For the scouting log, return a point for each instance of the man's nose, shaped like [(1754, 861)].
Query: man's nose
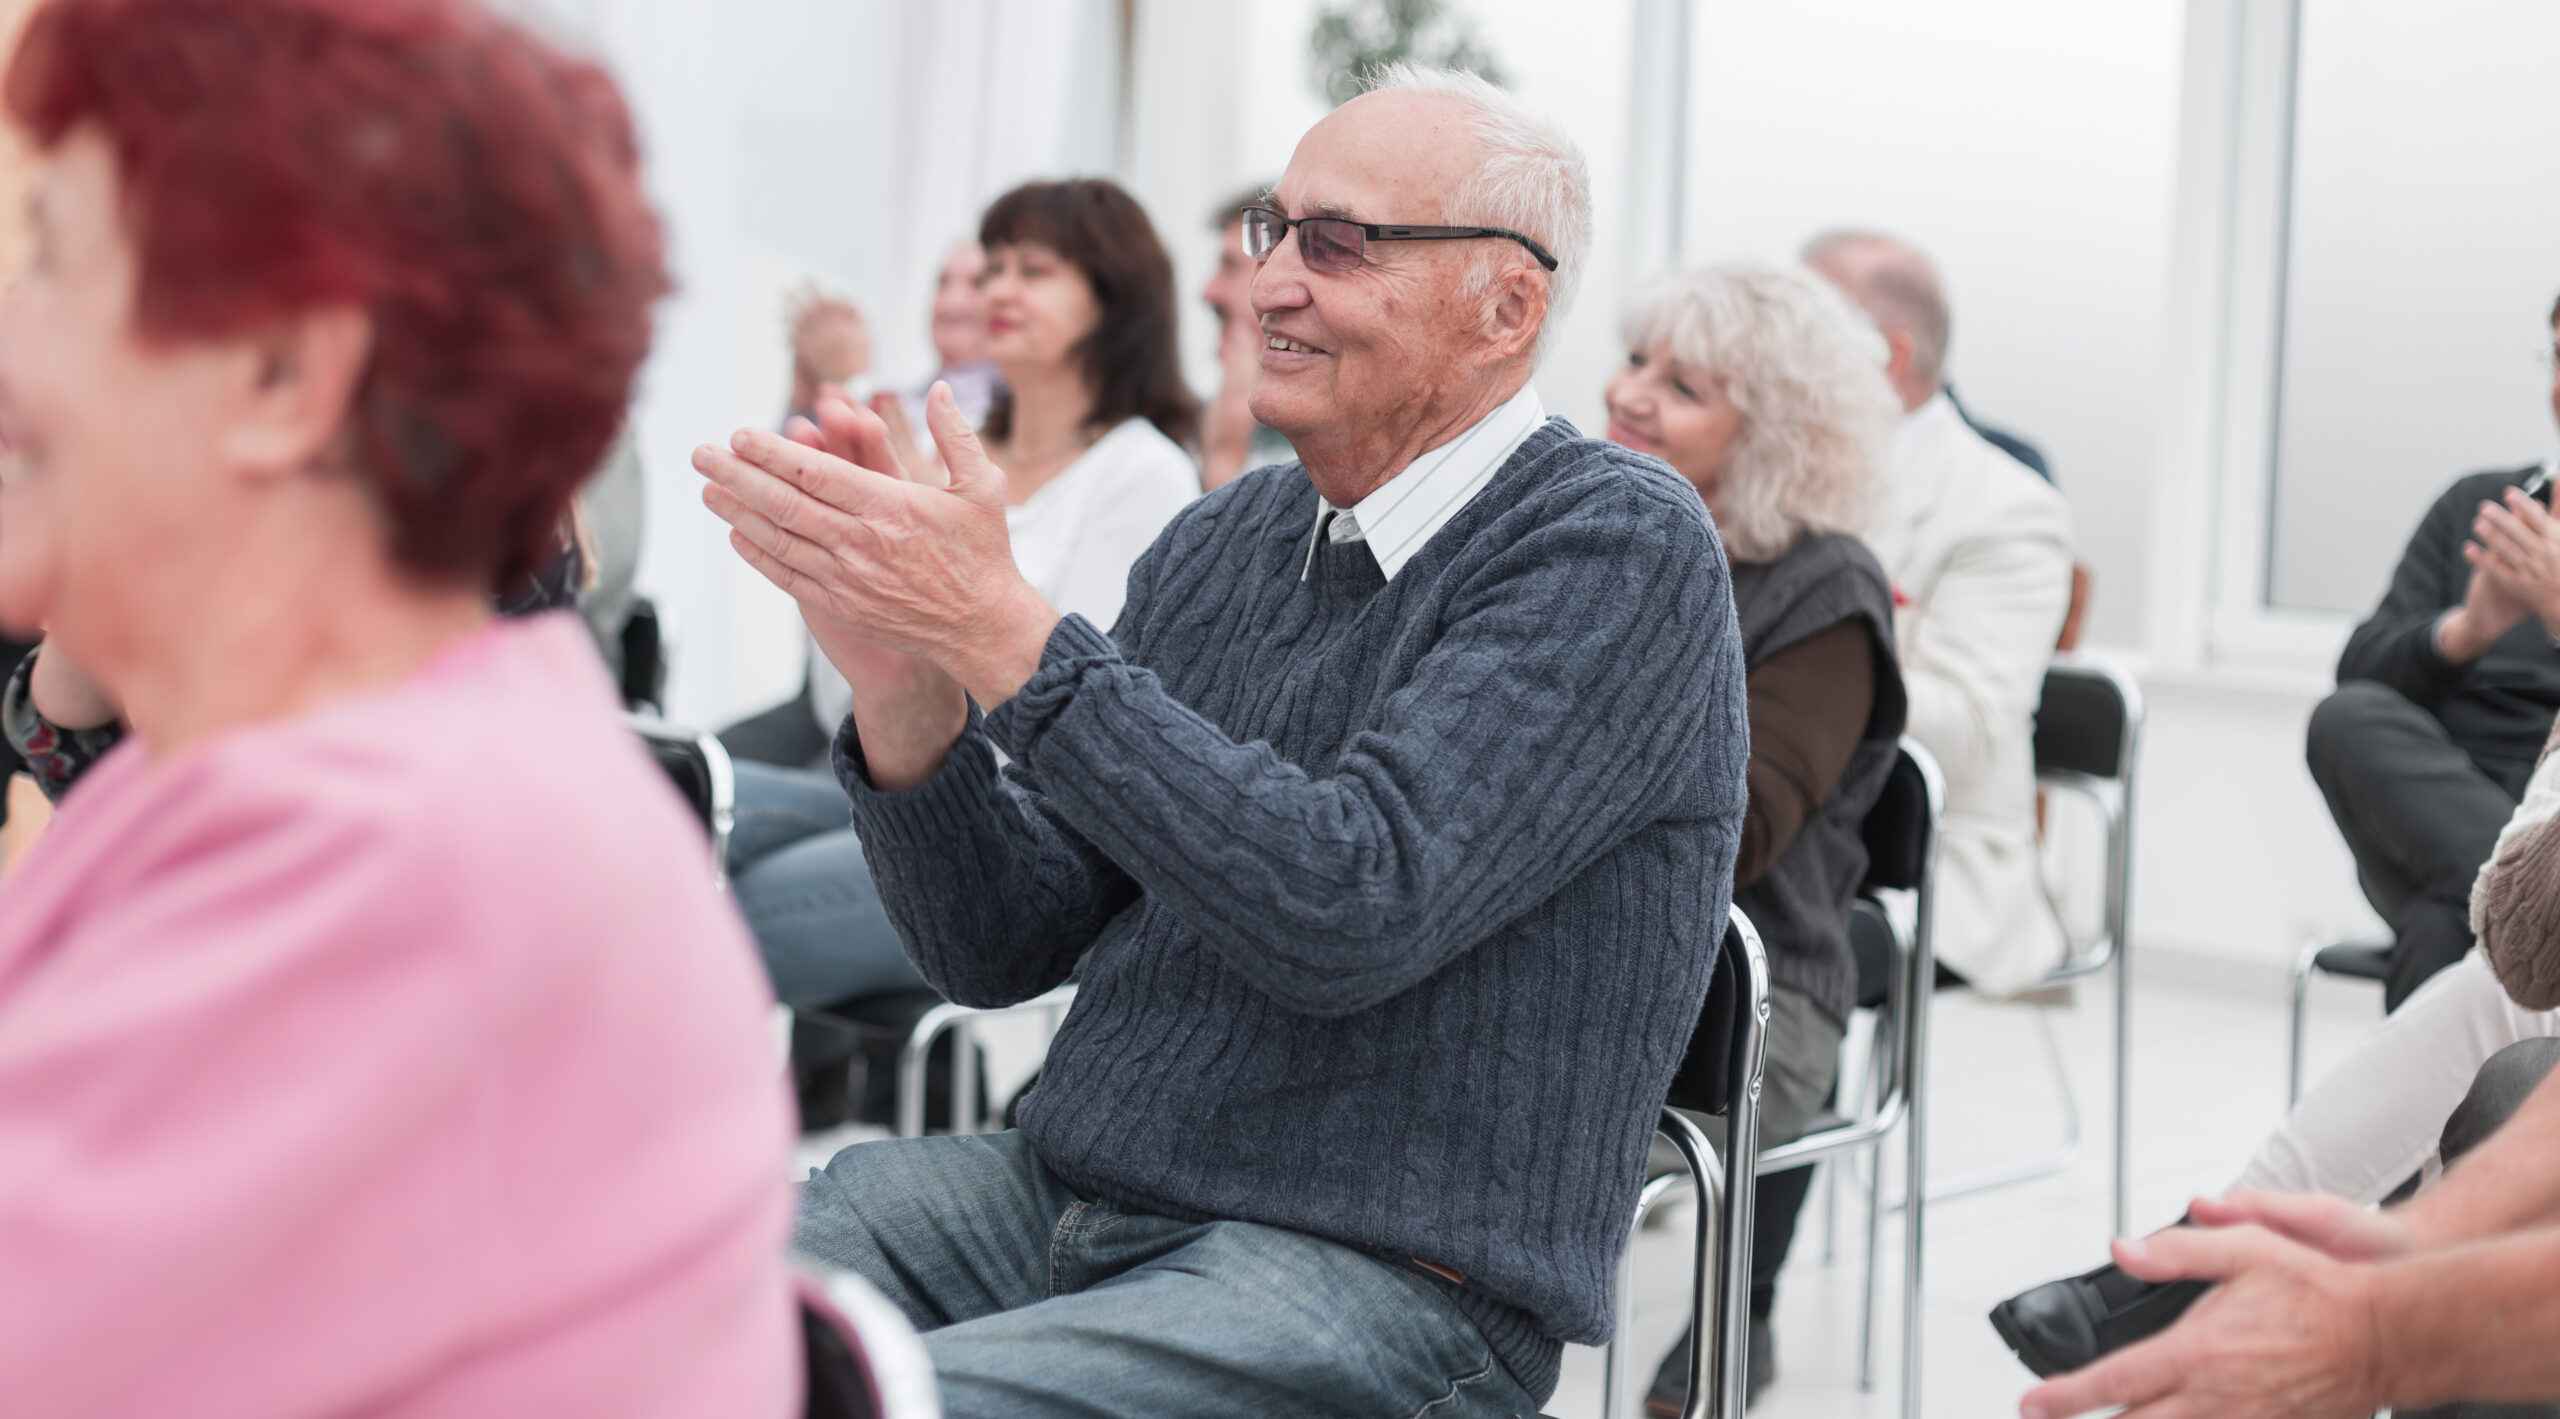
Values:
[(1280, 282)]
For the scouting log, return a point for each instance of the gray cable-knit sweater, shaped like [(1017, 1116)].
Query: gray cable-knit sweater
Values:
[(1397, 901)]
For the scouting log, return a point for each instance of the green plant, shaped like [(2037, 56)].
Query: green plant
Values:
[(1355, 38)]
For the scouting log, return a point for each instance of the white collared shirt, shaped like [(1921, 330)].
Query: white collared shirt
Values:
[(1400, 516), (1916, 425)]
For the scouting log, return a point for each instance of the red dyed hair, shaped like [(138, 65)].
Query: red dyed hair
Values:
[(471, 188)]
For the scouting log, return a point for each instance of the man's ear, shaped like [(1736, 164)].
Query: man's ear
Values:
[(299, 377), (1517, 315), (1900, 348)]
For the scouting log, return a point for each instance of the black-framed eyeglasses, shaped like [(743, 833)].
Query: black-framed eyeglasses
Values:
[(1338, 244)]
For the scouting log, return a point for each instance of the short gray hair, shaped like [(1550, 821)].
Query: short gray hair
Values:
[(1900, 291), (1806, 371), (1532, 181)]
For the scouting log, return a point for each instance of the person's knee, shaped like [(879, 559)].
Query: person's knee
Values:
[(2496, 1093), (2342, 726)]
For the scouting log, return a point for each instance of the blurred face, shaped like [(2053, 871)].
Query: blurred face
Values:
[(1350, 354), (959, 314), (116, 476), (1676, 413), (1038, 306), (1230, 288), (2555, 370)]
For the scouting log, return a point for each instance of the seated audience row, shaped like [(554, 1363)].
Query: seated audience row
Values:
[(1312, 779)]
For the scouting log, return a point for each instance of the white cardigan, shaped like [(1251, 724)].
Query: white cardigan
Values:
[(1979, 549), (1074, 539)]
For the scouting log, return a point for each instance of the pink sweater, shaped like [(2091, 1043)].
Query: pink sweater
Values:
[(396, 1059)]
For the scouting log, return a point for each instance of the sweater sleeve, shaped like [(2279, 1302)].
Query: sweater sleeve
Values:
[(2396, 645), (1810, 704), (2515, 903), (1585, 681)]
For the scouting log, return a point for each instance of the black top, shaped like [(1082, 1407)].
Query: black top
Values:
[(2497, 707), (1801, 904), (11, 652)]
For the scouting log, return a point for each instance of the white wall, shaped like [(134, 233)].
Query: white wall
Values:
[(2425, 250), (2030, 147)]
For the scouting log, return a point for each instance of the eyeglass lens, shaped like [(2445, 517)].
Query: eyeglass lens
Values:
[(1323, 243)]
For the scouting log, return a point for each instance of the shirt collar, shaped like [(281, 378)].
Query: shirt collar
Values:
[(1400, 516), (1916, 425)]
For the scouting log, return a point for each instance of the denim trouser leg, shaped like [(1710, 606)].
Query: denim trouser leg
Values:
[(1038, 1303), (806, 893)]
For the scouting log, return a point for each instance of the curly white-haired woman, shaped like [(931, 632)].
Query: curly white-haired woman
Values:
[(1767, 391)]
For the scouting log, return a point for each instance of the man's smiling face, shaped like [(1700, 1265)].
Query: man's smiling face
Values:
[(1344, 352)]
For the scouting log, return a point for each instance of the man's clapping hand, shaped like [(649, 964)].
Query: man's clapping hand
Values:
[(910, 589)]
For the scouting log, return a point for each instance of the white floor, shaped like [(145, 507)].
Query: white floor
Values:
[(2208, 1080)]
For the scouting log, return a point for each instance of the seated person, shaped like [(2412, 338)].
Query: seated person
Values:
[(2443, 696), (1766, 390), (2369, 1126), (333, 1081), (2321, 1308), (1231, 440), (1979, 550), (1090, 432), (1392, 825)]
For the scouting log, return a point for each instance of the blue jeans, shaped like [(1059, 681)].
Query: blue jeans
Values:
[(1037, 1302), (806, 893)]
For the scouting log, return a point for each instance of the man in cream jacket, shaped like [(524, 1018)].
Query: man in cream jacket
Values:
[(1979, 550)]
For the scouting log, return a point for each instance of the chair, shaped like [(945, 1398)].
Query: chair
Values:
[(700, 770), (861, 1358), (2355, 958), (1901, 833), (2088, 741), (1720, 1074)]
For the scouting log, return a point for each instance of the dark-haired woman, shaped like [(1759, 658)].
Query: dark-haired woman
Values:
[(1080, 321)]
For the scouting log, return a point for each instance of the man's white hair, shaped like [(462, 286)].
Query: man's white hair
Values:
[(1532, 180), (1807, 373)]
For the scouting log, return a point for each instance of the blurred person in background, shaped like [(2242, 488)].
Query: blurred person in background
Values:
[(1765, 390), (1979, 549), (1093, 418), (1231, 439), (373, 1037), (1391, 823), (2445, 694)]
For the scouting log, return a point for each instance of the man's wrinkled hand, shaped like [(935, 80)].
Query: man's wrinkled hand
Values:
[(923, 571), (2288, 1333)]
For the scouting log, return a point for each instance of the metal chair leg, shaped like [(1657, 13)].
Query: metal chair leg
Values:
[(1705, 1177), (2302, 966), (2124, 1089)]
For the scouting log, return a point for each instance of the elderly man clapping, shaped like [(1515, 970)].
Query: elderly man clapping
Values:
[(1393, 824)]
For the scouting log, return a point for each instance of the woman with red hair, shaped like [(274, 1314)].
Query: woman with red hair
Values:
[(372, 1037)]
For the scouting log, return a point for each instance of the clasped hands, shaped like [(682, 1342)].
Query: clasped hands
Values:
[(2514, 554), (910, 589), (2290, 1328)]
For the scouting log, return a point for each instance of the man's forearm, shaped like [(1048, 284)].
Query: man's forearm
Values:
[(2474, 1322)]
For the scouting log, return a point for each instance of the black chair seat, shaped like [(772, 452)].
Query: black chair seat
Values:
[(2360, 960)]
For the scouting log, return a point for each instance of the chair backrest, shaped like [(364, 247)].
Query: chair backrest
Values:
[(1719, 1046), (1898, 828), (699, 768), (2087, 720)]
